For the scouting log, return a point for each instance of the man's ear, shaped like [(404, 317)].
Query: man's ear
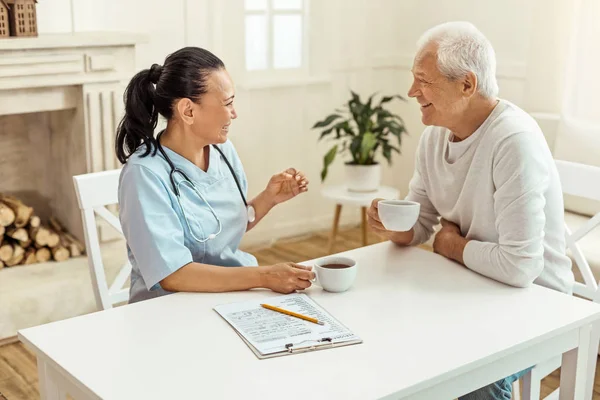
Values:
[(185, 110), (469, 84)]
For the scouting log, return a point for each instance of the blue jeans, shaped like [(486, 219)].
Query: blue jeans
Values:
[(501, 390)]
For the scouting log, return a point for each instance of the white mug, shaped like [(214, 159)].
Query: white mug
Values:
[(398, 215), (335, 279)]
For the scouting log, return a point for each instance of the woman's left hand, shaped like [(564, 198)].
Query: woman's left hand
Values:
[(286, 185)]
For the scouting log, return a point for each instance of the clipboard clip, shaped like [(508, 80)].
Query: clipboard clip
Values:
[(291, 347)]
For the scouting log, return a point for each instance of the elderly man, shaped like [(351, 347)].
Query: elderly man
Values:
[(484, 167)]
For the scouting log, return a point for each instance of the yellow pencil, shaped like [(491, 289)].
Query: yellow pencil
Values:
[(293, 314)]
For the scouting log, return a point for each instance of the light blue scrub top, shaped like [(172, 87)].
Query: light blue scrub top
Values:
[(159, 241)]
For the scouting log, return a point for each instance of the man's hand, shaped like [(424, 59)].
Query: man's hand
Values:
[(373, 219), (449, 242), (401, 238)]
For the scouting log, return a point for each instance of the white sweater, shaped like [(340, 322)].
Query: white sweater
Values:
[(502, 189)]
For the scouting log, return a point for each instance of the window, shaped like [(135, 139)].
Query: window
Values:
[(275, 34)]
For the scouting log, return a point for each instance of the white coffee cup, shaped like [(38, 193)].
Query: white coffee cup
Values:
[(398, 215), (335, 279)]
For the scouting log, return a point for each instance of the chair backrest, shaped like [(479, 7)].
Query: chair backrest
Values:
[(95, 191), (583, 181)]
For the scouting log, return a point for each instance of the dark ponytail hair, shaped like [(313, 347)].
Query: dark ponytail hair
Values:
[(154, 91)]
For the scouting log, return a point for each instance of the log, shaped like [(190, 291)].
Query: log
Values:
[(22, 212), (2, 231), (74, 249), (6, 252), (53, 239), (17, 257), (1, 264), (40, 236), (1, 239), (19, 234), (60, 253), (69, 241), (33, 234), (7, 215), (35, 221), (54, 224), (30, 257), (43, 254), (26, 244), (75, 243), (67, 244)]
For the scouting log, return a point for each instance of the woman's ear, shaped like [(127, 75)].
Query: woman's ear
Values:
[(185, 110)]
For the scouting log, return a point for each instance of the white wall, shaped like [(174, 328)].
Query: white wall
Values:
[(365, 45)]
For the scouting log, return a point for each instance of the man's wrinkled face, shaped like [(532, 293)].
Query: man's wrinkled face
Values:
[(442, 100)]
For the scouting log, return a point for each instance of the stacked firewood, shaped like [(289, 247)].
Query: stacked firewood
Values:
[(24, 239)]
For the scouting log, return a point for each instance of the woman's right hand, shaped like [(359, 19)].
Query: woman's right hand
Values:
[(286, 277)]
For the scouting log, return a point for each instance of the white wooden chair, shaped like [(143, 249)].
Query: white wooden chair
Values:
[(583, 181), (94, 192)]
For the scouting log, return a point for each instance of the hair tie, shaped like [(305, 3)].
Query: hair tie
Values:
[(155, 72)]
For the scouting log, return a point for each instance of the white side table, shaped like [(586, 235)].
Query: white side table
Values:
[(341, 195)]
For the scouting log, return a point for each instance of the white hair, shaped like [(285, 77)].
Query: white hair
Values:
[(462, 48)]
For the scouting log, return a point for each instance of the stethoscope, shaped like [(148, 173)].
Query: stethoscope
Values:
[(250, 212)]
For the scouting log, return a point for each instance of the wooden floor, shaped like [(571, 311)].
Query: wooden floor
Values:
[(18, 370)]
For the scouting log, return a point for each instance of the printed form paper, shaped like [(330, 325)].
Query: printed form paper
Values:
[(269, 331)]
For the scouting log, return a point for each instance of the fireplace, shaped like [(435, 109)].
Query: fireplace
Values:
[(60, 103)]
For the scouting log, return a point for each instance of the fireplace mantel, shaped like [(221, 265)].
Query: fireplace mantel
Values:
[(84, 73), (70, 40), (38, 66)]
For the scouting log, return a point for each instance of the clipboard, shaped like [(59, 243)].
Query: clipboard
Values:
[(270, 334), (293, 349)]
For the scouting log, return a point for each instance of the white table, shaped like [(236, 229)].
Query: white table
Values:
[(431, 328), (341, 195)]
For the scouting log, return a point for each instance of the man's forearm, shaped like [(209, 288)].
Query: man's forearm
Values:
[(457, 248), (450, 243)]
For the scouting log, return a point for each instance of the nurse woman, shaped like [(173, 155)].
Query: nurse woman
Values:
[(182, 194)]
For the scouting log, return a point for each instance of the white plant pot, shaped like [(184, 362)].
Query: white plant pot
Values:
[(363, 178)]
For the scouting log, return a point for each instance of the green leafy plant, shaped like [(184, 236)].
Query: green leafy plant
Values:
[(361, 129)]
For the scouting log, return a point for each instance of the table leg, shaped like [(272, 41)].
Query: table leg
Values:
[(592, 358), (516, 393), (574, 370), (531, 386), (334, 228), (363, 217), (49, 387)]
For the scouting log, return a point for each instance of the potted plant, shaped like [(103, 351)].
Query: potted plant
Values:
[(362, 130)]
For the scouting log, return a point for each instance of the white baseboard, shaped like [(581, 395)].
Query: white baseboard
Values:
[(9, 340)]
